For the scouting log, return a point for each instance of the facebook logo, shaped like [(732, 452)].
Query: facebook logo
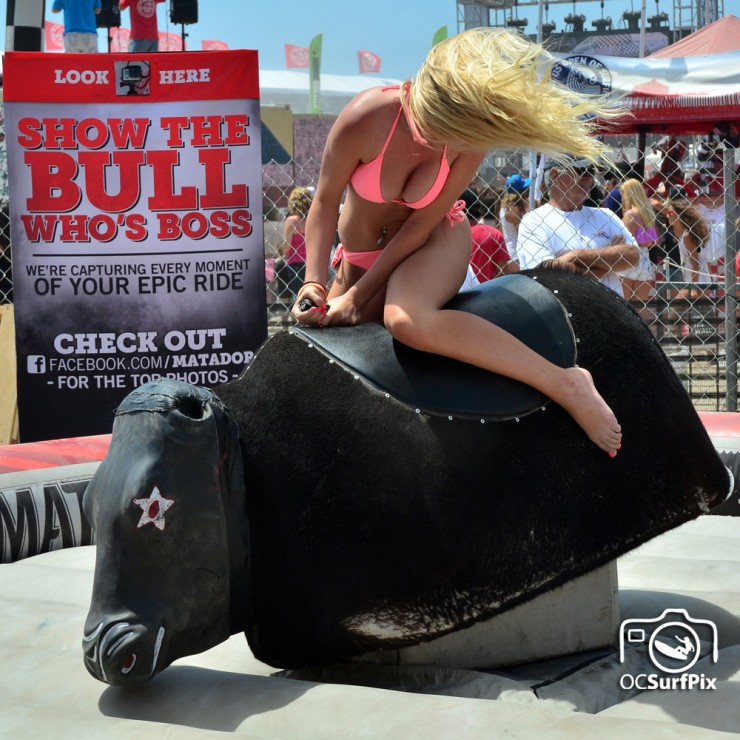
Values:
[(36, 364)]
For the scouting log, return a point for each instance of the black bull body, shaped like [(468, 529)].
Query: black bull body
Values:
[(326, 517)]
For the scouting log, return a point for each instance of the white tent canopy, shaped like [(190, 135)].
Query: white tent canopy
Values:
[(288, 87)]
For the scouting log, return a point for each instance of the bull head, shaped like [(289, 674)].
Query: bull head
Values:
[(167, 508)]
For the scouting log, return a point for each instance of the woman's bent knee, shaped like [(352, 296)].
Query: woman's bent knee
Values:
[(406, 329)]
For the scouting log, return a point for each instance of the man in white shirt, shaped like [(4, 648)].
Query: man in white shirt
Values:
[(592, 240)]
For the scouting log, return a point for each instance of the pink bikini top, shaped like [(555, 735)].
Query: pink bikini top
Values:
[(366, 177)]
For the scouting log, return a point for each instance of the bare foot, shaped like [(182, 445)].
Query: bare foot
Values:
[(590, 411)]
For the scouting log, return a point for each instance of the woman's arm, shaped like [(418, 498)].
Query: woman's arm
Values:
[(629, 219), (345, 144), (693, 247), (290, 227)]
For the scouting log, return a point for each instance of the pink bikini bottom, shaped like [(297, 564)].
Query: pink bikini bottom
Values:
[(365, 260)]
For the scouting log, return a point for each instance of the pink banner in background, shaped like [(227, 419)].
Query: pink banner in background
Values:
[(295, 56), (120, 38), (213, 45), (170, 41), (368, 62), (54, 33)]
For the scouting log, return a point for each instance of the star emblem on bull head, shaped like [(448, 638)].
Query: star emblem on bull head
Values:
[(153, 509)]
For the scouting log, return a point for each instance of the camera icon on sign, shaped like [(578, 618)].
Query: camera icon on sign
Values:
[(36, 364), (132, 77), (674, 644)]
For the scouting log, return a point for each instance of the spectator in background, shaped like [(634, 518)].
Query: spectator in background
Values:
[(639, 218), (692, 233), (709, 204), (514, 205), (489, 257), (666, 251), (727, 134), (612, 181), (593, 241), (80, 27), (707, 161), (673, 150), (291, 273), (144, 28)]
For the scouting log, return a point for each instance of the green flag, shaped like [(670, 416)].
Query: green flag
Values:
[(314, 72), (439, 35)]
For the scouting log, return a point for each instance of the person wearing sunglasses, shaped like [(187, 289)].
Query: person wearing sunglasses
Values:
[(564, 231)]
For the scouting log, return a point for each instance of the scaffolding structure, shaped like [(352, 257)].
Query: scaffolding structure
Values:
[(688, 15)]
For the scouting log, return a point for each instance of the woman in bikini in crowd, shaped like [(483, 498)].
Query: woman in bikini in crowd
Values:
[(404, 155)]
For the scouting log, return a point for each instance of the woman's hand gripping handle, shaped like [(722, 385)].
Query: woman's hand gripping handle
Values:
[(311, 307)]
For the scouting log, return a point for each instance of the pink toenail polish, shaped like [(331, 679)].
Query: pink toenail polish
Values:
[(612, 454)]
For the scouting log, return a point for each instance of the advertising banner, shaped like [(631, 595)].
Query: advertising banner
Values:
[(685, 95), (135, 205)]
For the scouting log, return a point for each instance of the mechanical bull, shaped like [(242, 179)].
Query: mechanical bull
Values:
[(348, 494)]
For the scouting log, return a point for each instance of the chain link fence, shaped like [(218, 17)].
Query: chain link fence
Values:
[(688, 297)]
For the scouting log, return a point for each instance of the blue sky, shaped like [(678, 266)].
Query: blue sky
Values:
[(399, 31)]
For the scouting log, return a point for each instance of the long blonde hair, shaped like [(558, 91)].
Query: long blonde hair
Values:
[(634, 196), (489, 87)]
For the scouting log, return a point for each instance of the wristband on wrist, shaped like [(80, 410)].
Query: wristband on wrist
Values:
[(314, 283)]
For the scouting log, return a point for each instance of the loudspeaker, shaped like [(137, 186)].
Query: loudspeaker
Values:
[(183, 11), (109, 16)]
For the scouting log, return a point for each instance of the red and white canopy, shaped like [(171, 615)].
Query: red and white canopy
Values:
[(681, 94)]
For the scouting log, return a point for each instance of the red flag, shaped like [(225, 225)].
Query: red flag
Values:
[(119, 39), (368, 61), (170, 41), (54, 33), (213, 45), (295, 56)]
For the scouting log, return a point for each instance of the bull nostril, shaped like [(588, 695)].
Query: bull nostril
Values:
[(129, 663), (190, 407)]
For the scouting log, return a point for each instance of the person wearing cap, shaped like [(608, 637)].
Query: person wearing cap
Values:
[(514, 205), (489, 257), (593, 241)]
